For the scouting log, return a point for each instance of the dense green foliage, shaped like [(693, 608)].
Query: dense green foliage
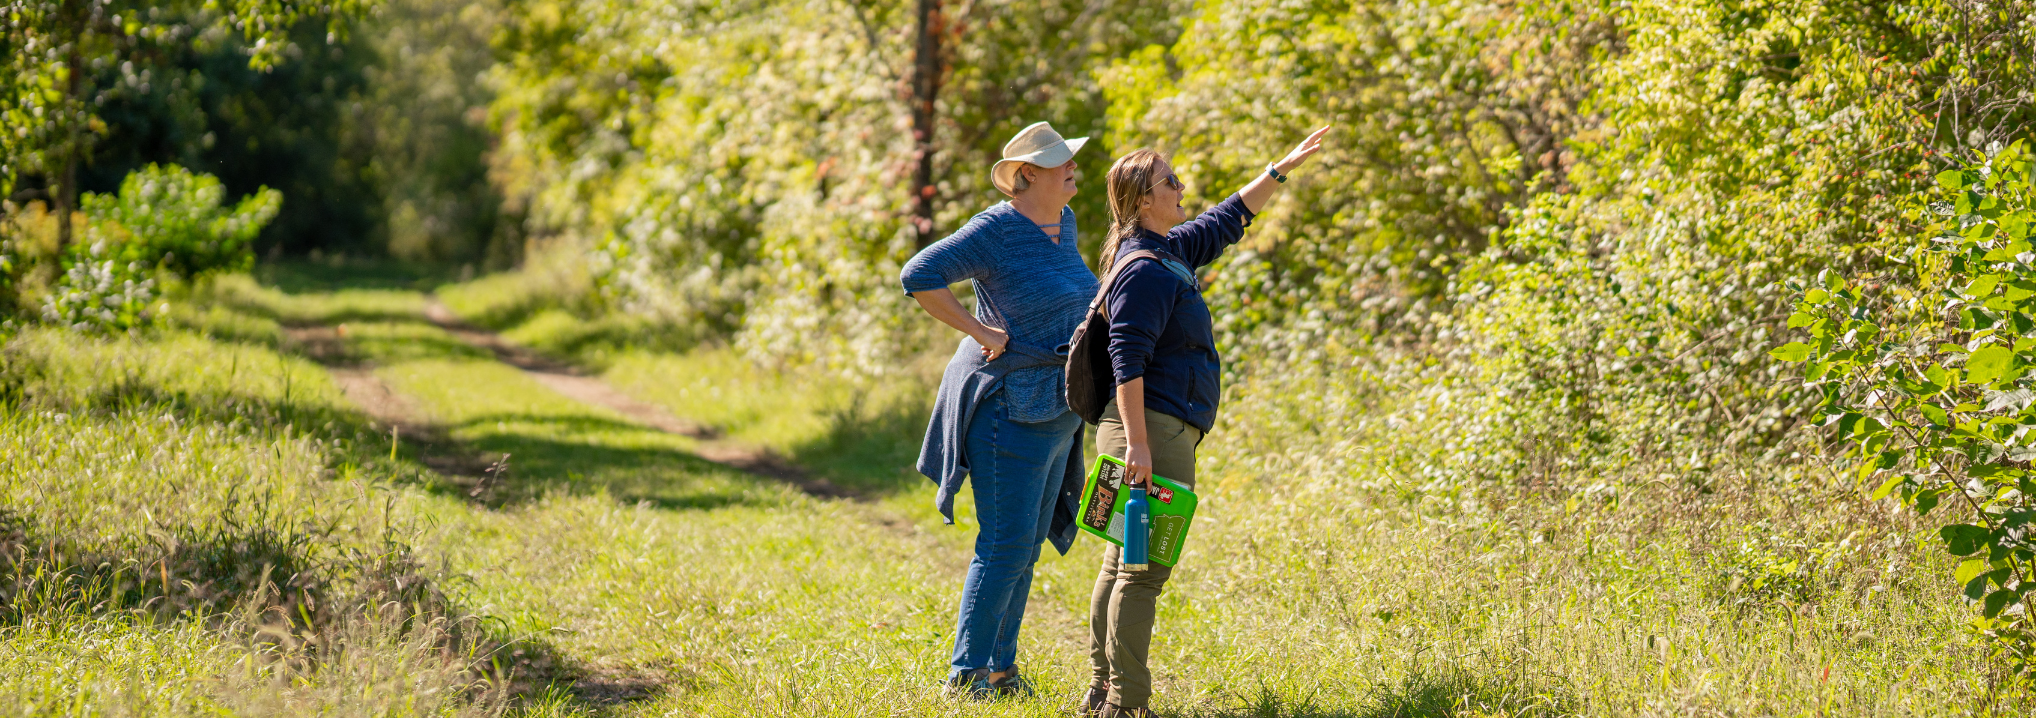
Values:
[(1563, 230), (1925, 378), (177, 222), (1530, 292), (744, 165), (165, 222), (364, 114)]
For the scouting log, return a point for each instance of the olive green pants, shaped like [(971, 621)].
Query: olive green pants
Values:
[(1122, 607)]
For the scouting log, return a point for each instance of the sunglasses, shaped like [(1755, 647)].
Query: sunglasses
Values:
[(1172, 181)]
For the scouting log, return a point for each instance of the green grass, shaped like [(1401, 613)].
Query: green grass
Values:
[(558, 444), (192, 526), (859, 436), (552, 308), (1323, 579)]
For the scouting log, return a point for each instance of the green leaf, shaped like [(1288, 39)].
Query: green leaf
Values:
[(1888, 486), (1800, 319), (1999, 601), (1926, 500), (1983, 286), (1935, 414), (1951, 179), (1989, 364), (1983, 471), (1969, 569), (1965, 539), (2007, 252), (1847, 423), (1816, 296), (1791, 352), (1976, 587)]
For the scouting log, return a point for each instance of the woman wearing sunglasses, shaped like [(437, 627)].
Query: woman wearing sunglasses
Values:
[(1163, 360)]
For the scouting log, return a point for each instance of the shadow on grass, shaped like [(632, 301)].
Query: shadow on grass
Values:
[(342, 315), (871, 450), (292, 592), (239, 557), (589, 341), (572, 454), (1445, 693), (304, 276), (366, 347), (578, 454)]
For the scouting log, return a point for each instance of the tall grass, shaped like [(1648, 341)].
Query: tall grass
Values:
[(1333, 573), (189, 526), (311, 569)]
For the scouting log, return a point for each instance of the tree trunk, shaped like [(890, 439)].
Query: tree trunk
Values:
[(66, 195), (926, 71)]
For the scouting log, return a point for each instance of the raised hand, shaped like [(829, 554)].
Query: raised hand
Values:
[(1299, 156)]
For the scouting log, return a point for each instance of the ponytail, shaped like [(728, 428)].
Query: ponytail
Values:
[(1130, 180)]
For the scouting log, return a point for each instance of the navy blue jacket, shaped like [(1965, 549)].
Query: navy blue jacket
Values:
[(1160, 328)]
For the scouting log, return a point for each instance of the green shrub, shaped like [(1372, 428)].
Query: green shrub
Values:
[(179, 223), (1927, 380), (165, 219)]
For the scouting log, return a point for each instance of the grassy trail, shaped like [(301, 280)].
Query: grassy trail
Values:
[(658, 559), (620, 560)]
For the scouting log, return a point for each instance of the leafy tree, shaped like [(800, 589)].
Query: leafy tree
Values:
[(53, 48), (752, 164)]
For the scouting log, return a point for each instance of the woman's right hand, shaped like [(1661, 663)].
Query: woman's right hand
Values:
[(943, 306), (994, 342), (1137, 464)]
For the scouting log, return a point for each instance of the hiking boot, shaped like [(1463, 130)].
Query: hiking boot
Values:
[(1092, 707), (1112, 711), (969, 684), (1011, 685)]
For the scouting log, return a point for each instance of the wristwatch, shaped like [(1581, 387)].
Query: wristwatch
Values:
[(1272, 169)]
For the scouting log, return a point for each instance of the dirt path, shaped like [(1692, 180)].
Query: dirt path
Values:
[(575, 384), (388, 408)]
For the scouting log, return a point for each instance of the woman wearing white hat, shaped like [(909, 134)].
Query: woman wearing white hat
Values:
[(1001, 416)]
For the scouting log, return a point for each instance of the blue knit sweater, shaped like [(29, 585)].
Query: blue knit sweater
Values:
[(1026, 285), (1035, 290)]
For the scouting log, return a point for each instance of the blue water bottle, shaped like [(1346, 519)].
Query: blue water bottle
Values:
[(1137, 529)]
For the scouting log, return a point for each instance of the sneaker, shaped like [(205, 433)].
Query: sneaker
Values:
[(1092, 707), (1012, 685), (969, 684)]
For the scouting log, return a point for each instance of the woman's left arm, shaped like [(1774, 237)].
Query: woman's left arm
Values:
[(1262, 189), (1202, 240)]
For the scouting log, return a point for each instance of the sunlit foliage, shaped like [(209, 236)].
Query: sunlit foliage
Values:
[(746, 164)]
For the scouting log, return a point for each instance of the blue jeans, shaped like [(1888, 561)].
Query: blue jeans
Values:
[(1015, 471)]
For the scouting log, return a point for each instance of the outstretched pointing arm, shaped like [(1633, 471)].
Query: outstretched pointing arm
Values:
[(1262, 189)]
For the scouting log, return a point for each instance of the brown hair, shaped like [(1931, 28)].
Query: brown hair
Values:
[(1130, 180)]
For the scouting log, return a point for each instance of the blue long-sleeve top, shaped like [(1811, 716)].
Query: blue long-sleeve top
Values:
[(1160, 328), (1026, 284), (1036, 290)]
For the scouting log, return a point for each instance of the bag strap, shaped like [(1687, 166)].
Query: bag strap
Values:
[(1103, 290)]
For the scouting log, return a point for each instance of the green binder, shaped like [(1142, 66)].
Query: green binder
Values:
[(1102, 514)]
